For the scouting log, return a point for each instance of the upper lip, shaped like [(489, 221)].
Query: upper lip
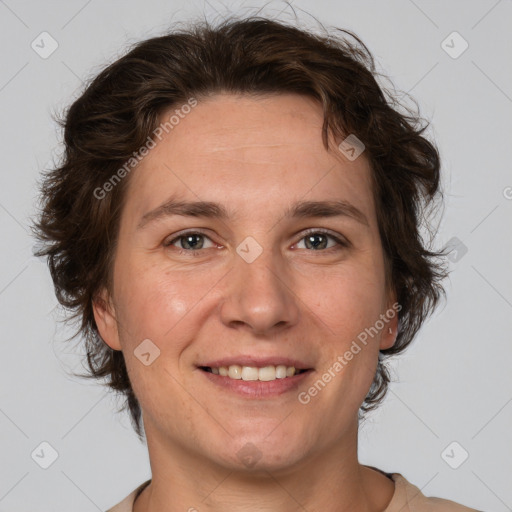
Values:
[(260, 362)]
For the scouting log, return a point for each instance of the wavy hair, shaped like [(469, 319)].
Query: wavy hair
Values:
[(121, 106)]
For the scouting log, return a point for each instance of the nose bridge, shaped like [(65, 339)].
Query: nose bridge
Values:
[(259, 294)]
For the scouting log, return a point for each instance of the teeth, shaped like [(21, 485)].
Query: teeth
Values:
[(250, 373), (265, 374), (281, 371), (268, 373), (235, 372)]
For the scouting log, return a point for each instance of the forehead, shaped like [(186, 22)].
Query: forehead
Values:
[(242, 126), (259, 150)]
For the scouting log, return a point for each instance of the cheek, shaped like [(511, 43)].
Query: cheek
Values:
[(347, 300), (155, 304), (349, 303), (162, 308)]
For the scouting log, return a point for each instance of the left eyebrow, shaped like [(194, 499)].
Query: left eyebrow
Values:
[(208, 209), (337, 208)]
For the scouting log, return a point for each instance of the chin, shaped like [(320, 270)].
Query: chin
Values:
[(262, 452)]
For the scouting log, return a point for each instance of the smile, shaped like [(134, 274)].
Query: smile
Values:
[(252, 373)]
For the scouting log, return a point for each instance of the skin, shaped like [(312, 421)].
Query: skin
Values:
[(255, 156)]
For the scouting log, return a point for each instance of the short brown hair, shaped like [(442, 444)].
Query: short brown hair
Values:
[(123, 104)]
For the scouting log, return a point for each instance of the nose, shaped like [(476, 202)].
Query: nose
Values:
[(259, 296)]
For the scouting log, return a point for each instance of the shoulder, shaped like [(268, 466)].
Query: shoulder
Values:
[(408, 498), (126, 505)]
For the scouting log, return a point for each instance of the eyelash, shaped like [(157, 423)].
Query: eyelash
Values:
[(195, 252)]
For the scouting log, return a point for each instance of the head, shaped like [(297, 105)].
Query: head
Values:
[(248, 115)]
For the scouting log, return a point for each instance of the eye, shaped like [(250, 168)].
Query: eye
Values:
[(192, 242), (189, 242), (318, 239)]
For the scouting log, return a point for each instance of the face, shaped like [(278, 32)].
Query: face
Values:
[(276, 281)]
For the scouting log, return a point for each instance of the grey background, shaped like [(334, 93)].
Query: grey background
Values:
[(454, 383)]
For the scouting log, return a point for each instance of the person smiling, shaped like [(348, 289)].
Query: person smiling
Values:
[(244, 281)]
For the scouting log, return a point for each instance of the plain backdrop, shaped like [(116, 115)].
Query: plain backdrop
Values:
[(452, 392)]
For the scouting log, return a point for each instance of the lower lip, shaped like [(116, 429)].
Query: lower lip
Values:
[(257, 388)]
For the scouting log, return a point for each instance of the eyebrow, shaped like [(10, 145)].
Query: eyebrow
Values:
[(208, 209)]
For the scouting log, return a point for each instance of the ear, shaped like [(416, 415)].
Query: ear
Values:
[(105, 317), (390, 318)]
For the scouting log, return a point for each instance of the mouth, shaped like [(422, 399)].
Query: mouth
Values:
[(266, 373), (256, 377)]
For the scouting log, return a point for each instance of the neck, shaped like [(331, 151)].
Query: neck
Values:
[(331, 479)]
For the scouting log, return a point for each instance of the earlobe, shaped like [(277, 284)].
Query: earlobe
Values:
[(105, 318), (390, 330), (388, 337)]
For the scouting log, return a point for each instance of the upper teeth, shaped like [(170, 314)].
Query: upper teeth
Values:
[(266, 373)]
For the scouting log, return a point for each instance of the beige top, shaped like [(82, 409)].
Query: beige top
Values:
[(407, 498)]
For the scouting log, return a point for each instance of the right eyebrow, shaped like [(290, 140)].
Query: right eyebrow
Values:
[(172, 207)]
